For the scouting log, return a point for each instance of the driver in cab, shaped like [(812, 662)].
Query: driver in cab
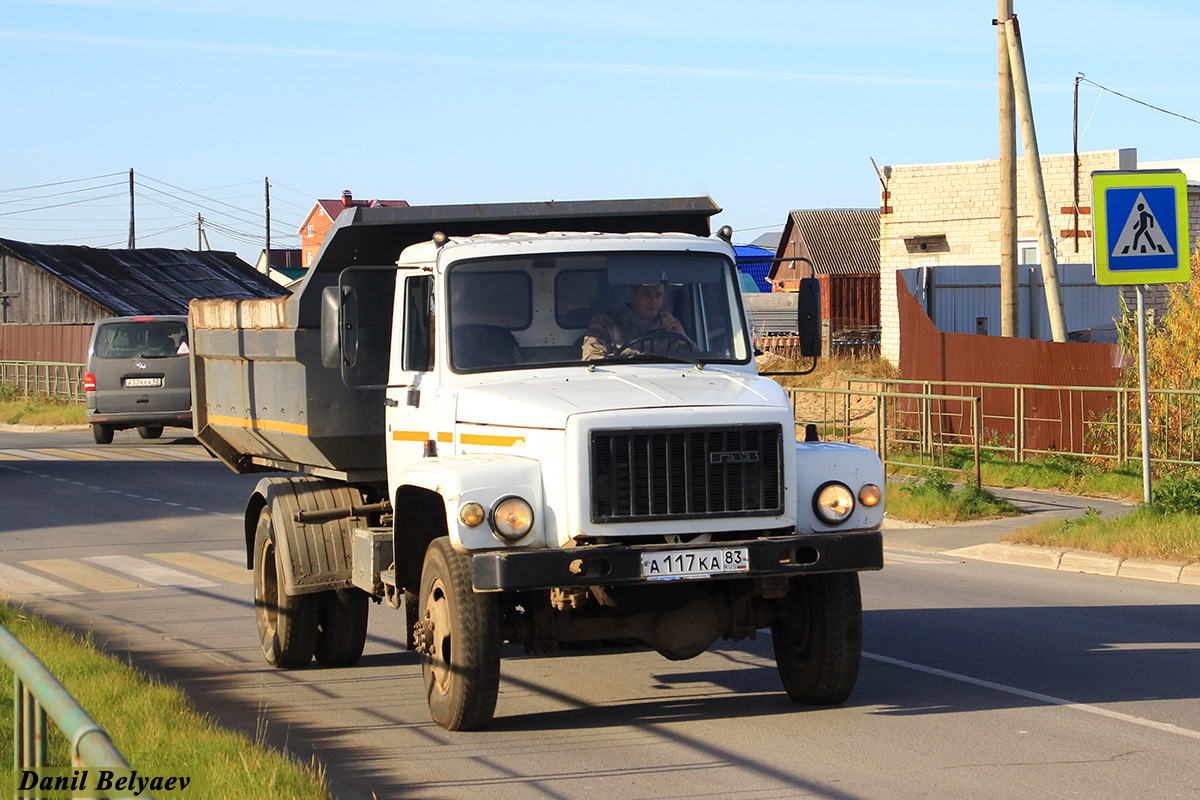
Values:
[(640, 325)]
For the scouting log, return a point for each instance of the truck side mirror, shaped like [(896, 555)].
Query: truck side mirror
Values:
[(339, 327), (808, 305)]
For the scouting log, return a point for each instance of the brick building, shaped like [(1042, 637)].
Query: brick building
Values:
[(320, 219), (947, 215)]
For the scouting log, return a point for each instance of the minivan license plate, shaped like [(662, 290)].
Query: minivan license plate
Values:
[(131, 382), (694, 563)]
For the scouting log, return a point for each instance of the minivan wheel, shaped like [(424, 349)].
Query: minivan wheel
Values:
[(150, 431), (102, 434)]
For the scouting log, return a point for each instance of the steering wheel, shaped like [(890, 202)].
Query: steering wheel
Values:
[(660, 334)]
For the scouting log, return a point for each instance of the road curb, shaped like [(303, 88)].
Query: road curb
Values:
[(1061, 560)]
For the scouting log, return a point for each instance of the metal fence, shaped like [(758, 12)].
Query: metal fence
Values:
[(38, 694), (1017, 421), (44, 377)]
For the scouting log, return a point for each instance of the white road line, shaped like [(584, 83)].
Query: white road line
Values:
[(1166, 727), (149, 571), (236, 556), (18, 581), (894, 557)]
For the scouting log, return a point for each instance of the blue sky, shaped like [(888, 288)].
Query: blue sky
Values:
[(766, 106)]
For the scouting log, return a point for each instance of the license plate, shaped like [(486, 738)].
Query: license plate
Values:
[(131, 382), (694, 563)]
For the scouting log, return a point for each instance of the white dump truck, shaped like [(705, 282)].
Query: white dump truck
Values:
[(470, 430)]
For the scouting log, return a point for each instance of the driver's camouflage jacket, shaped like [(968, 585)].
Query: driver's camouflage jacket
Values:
[(610, 331)]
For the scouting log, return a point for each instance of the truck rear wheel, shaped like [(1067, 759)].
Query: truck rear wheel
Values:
[(818, 638), (459, 638), (342, 631), (287, 624)]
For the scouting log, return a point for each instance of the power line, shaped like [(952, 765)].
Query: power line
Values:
[(60, 205), (1083, 78), (60, 183)]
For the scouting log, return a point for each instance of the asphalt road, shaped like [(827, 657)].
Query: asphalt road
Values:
[(979, 680)]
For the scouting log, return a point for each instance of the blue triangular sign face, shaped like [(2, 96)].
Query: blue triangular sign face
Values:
[(1142, 234)]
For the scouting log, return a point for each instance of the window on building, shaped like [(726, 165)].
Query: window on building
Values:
[(1027, 253)]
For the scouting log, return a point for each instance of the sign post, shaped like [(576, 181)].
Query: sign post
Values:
[(1140, 236)]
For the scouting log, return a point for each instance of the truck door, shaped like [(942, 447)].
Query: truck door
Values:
[(411, 400)]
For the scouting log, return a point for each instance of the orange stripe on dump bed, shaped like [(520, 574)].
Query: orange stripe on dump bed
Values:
[(410, 436), (259, 424)]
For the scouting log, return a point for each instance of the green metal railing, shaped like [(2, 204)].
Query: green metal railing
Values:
[(876, 420), (44, 377), (38, 694), (1012, 419)]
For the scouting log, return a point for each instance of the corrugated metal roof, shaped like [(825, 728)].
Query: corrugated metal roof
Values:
[(840, 241), (755, 261), (150, 281)]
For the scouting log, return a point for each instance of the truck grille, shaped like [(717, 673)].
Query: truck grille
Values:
[(681, 473)]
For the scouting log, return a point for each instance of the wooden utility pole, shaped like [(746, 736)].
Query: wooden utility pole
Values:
[(1033, 162), (1010, 305), (267, 260), (132, 242)]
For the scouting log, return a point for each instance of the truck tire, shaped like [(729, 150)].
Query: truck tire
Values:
[(102, 434), (150, 431), (287, 624), (342, 629), (818, 638), (460, 641)]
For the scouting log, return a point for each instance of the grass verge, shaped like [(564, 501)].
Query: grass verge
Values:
[(935, 499), (38, 409), (1148, 532), (153, 725), (1066, 474)]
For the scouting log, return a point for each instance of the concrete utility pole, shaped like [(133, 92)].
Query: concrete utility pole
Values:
[(1010, 305), (267, 261), (1033, 162), (131, 237)]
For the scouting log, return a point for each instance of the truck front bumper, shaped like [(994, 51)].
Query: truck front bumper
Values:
[(615, 565)]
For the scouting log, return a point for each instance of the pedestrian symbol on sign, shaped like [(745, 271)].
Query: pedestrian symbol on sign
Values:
[(1142, 235)]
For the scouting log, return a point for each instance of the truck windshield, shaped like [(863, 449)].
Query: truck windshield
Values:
[(570, 309)]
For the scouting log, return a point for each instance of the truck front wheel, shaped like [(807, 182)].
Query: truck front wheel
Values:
[(287, 624), (818, 638), (458, 635)]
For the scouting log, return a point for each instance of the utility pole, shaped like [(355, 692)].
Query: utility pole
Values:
[(1010, 305), (132, 243), (1033, 162), (267, 260), (1075, 169), (199, 231)]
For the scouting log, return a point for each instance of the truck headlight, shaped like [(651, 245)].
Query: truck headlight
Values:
[(833, 503), (511, 518)]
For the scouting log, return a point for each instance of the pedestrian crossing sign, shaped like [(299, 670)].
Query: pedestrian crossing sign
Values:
[(1140, 227)]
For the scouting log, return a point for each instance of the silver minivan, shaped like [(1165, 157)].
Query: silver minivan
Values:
[(138, 376)]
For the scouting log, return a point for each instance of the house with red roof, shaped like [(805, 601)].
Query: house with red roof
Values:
[(320, 220)]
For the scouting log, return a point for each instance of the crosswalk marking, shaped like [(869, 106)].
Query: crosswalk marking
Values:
[(209, 566), (236, 556), (149, 571), (74, 455), (18, 581), (95, 579), (108, 453), (31, 455)]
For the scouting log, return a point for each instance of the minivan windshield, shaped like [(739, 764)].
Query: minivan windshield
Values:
[(162, 338), (572, 308)]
